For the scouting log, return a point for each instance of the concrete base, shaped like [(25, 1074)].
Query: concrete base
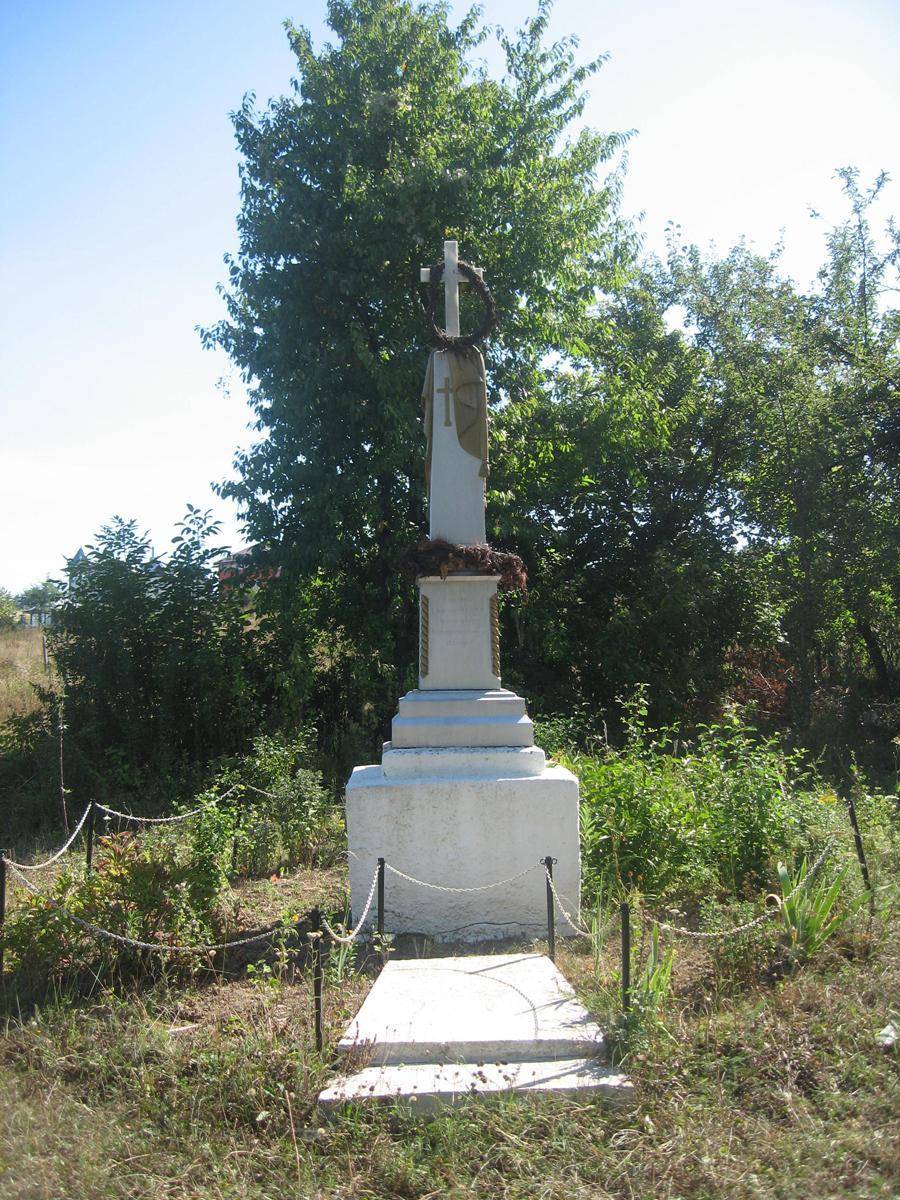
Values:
[(432, 1032), (429, 1088), (487, 762), (456, 828)]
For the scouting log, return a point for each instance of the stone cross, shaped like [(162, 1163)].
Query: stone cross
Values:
[(452, 281), (456, 492)]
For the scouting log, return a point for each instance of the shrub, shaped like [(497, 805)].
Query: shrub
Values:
[(710, 819), (7, 610), (741, 958), (275, 812), (148, 892)]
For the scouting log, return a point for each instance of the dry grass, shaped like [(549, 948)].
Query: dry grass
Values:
[(775, 1089), (21, 667)]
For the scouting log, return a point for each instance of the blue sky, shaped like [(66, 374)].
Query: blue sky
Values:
[(120, 191)]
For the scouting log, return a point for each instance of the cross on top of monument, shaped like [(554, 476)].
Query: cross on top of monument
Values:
[(452, 280)]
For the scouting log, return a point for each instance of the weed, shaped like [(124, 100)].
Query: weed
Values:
[(341, 962), (808, 912), (708, 820), (647, 994)]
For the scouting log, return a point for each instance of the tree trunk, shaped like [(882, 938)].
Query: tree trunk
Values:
[(875, 653)]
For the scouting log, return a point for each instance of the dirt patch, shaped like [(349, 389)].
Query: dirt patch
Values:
[(261, 902)]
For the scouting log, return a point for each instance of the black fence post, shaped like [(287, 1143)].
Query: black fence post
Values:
[(551, 915), (89, 837), (2, 907), (316, 922), (860, 852), (625, 913), (381, 908)]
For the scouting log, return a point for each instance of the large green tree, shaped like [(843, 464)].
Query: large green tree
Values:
[(394, 139), (158, 663), (812, 380), (611, 482)]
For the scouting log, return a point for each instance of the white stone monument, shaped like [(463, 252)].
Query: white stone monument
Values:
[(462, 797)]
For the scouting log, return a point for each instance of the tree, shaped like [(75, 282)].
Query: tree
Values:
[(811, 381), (7, 609), (392, 141), (611, 484), (860, 340), (159, 666), (41, 596)]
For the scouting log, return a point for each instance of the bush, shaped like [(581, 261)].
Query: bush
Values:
[(7, 610), (709, 820), (146, 891), (274, 813)]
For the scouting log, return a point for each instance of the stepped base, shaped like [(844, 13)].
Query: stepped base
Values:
[(489, 762), (461, 717), (436, 1031), (478, 1008)]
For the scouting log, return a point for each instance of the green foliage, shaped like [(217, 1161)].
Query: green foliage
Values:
[(689, 819), (29, 768), (170, 885), (809, 383), (149, 892), (274, 812), (7, 609), (649, 988), (741, 959), (160, 667), (808, 911), (341, 957), (568, 733), (608, 480), (43, 596)]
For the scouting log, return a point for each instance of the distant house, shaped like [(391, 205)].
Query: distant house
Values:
[(240, 568), (35, 616)]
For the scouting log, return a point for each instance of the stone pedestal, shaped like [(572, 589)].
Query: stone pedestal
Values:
[(463, 798), (459, 636), (462, 830)]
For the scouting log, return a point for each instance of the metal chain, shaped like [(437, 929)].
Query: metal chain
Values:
[(169, 820), (346, 939), (128, 941), (47, 862), (709, 935), (437, 887), (111, 812), (578, 928), (194, 811)]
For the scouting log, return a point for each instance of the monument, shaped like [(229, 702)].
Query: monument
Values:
[(462, 799)]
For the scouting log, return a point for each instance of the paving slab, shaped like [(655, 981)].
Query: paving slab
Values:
[(434, 1031), (428, 1087), (512, 1007)]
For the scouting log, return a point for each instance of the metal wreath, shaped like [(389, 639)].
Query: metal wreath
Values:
[(440, 337)]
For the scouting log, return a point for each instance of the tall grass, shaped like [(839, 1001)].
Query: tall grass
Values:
[(21, 669)]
